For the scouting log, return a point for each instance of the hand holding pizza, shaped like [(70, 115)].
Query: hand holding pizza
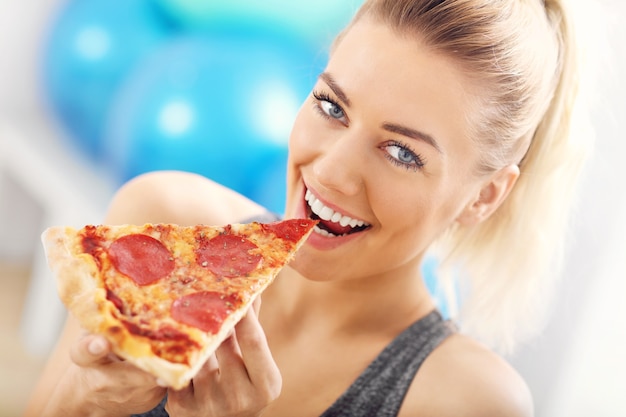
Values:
[(100, 380), (240, 378)]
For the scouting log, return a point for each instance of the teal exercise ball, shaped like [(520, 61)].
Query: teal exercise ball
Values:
[(319, 21)]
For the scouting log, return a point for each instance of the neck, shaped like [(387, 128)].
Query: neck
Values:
[(391, 301)]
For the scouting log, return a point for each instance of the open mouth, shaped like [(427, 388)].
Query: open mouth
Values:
[(332, 223)]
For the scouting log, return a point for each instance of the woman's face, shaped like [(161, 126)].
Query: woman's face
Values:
[(380, 152)]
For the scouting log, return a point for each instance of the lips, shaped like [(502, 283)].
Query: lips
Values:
[(332, 223)]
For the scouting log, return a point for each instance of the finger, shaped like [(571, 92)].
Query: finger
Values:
[(211, 366), (257, 305), (255, 352), (229, 359), (91, 350), (210, 370), (203, 381), (180, 396)]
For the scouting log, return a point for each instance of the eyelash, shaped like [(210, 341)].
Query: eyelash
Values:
[(419, 161), (322, 96)]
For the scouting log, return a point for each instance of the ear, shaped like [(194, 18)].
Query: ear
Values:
[(490, 196)]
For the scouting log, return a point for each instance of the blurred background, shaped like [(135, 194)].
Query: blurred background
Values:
[(94, 92)]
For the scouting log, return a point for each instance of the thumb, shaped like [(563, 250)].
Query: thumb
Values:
[(91, 350)]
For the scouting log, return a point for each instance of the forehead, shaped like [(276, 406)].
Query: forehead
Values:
[(406, 81)]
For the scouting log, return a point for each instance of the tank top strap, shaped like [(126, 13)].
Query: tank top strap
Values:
[(381, 388)]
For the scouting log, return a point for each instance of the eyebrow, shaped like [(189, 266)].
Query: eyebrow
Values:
[(328, 79), (413, 134), (390, 127)]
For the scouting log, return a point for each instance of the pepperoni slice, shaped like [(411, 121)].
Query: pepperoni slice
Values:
[(142, 258), (290, 230), (204, 310), (228, 256)]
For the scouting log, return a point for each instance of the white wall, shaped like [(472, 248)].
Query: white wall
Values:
[(594, 367), (576, 368), (22, 25)]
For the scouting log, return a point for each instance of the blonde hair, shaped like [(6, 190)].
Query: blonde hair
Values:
[(522, 54)]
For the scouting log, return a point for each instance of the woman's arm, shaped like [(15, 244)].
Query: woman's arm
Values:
[(181, 198)]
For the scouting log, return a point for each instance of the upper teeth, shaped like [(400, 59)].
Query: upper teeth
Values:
[(328, 214)]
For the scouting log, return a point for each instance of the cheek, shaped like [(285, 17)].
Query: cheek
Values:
[(422, 213)]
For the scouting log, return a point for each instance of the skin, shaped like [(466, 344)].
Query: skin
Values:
[(327, 316)]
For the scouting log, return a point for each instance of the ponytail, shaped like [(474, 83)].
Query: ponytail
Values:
[(513, 260)]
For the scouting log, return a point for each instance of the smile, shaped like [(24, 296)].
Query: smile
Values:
[(332, 223)]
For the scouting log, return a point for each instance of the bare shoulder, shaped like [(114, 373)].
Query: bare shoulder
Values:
[(463, 377), (178, 197)]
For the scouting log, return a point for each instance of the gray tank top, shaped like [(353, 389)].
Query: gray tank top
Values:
[(380, 390)]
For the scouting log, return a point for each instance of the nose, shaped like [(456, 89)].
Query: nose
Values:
[(339, 165)]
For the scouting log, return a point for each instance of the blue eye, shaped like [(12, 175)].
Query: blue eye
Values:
[(332, 109), (329, 108), (402, 155)]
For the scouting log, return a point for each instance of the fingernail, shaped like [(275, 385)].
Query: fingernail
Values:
[(161, 383), (96, 346)]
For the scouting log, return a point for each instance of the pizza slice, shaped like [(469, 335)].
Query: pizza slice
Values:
[(164, 295)]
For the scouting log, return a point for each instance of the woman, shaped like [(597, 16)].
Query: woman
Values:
[(441, 127)]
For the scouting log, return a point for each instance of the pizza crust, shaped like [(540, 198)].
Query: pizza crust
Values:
[(77, 289)]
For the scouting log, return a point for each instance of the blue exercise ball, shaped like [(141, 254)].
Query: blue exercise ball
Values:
[(91, 46), (269, 175), (218, 106)]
